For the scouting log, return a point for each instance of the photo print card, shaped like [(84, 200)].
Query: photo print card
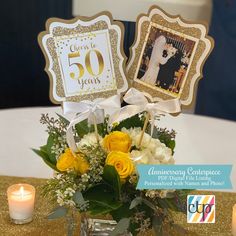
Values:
[(167, 56), (84, 58)]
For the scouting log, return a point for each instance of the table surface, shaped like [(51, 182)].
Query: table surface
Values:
[(200, 140), (40, 226)]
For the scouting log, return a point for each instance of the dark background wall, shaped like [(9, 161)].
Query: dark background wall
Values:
[(217, 91), (24, 82)]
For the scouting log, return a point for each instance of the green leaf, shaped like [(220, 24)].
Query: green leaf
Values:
[(111, 177), (102, 208), (165, 136), (132, 228), (41, 153), (78, 198), (122, 212), (58, 213), (101, 199), (102, 129), (176, 203), (131, 122), (169, 203), (135, 202), (82, 128), (45, 158), (43, 148), (50, 143), (149, 204), (171, 144), (181, 197), (121, 227)]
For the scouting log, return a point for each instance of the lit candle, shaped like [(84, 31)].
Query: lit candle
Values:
[(21, 202), (234, 221)]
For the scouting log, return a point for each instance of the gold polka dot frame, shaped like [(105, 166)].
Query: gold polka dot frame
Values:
[(84, 58)]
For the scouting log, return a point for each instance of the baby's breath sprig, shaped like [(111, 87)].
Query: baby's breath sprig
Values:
[(168, 134), (61, 188), (95, 156), (54, 126)]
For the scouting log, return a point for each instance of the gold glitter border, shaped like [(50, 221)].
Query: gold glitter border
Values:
[(135, 52), (116, 49)]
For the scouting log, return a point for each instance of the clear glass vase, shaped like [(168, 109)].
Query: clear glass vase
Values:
[(98, 227)]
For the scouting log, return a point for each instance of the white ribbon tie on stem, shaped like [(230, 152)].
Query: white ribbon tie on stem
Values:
[(139, 103), (93, 111)]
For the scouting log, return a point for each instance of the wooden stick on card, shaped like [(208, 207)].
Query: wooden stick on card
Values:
[(95, 127), (144, 128)]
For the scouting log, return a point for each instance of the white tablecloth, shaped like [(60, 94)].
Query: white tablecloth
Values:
[(200, 140)]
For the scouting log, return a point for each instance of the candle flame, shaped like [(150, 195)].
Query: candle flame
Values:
[(22, 191)]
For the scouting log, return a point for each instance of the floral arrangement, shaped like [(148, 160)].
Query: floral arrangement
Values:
[(101, 177)]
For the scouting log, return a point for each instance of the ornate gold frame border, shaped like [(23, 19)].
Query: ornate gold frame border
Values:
[(59, 27), (195, 30)]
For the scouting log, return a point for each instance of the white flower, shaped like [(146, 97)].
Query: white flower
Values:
[(141, 157), (153, 144), (145, 141), (171, 161), (152, 193), (89, 139), (152, 150), (85, 178), (163, 154), (134, 134), (69, 191), (60, 201)]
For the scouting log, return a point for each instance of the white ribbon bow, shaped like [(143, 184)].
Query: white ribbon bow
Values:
[(93, 111), (139, 103)]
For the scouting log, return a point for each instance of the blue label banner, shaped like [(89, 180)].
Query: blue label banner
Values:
[(184, 176)]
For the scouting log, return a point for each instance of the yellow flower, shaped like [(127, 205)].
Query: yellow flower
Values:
[(117, 141), (122, 162), (68, 161)]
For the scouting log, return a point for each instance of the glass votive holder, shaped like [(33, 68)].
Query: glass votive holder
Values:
[(21, 199)]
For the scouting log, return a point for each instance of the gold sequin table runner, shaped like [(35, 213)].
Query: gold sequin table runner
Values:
[(40, 226)]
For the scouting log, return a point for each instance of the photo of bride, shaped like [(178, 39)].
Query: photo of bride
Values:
[(165, 60)]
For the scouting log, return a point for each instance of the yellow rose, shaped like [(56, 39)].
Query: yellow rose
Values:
[(81, 165), (117, 141), (122, 162), (68, 161)]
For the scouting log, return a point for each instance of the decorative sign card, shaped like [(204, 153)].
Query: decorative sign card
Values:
[(167, 56), (85, 58)]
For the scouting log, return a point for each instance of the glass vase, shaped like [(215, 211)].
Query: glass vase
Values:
[(97, 227)]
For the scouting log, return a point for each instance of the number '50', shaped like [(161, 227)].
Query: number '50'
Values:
[(88, 66)]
